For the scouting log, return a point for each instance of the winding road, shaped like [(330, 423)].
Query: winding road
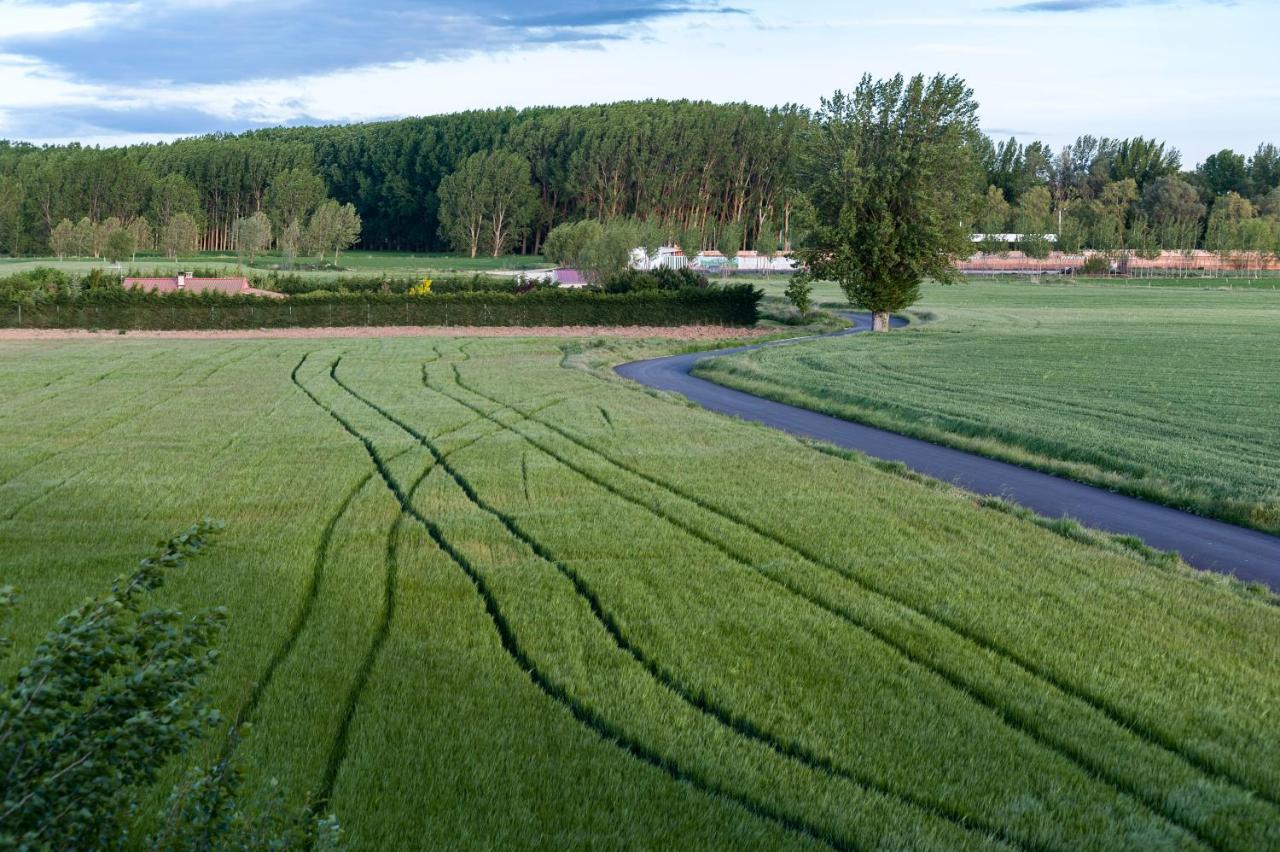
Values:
[(1202, 542)]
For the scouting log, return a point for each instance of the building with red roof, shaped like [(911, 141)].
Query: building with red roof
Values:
[(182, 282)]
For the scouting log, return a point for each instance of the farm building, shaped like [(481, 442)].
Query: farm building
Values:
[(672, 257), (182, 282)]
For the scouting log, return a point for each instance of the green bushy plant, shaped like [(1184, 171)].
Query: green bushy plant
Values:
[(799, 292), (108, 699), (133, 309)]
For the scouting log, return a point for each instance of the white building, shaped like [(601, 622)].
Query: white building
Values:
[(671, 257)]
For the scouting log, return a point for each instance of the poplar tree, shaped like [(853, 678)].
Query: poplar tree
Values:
[(891, 172)]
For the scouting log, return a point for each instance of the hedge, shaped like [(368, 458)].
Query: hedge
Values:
[(120, 309)]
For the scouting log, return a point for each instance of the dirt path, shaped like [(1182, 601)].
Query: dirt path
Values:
[(679, 332)]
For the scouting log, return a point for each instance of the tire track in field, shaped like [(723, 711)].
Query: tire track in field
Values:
[(1097, 703), (303, 615), (107, 428), (1014, 718), (312, 593), (736, 723), (577, 710), (382, 630)]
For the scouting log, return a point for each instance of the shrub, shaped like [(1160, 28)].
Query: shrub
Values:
[(634, 280), (1096, 264), (131, 309), (106, 701), (800, 292)]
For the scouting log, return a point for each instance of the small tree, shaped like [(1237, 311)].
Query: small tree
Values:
[(84, 237), (181, 235), (691, 240), (62, 239), (767, 244), (800, 292), (102, 232), (119, 245), (564, 245), (251, 235), (608, 254), (730, 240), (993, 219), (891, 171), (333, 227), (140, 229), (290, 242)]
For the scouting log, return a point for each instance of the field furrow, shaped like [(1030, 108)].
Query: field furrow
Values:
[(1158, 781)]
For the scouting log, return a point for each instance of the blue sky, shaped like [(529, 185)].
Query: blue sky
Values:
[(1198, 73)]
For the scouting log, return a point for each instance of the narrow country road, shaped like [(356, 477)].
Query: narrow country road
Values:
[(1203, 543)]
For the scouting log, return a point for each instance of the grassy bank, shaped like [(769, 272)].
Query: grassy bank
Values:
[(513, 602), (1165, 393)]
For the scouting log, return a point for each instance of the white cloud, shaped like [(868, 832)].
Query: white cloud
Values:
[(20, 18)]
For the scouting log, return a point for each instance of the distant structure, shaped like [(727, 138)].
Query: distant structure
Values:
[(1124, 263), (182, 282), (672, 257), (1012, 238), (566, 277)]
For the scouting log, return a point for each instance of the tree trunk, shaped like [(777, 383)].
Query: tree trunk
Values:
[(880, 321)]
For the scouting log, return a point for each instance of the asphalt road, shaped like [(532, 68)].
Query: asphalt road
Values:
[(1203, 543)]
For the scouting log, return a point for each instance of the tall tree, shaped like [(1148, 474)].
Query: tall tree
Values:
[(171, 195), (1224, 172), (1170, 199), (891, 171), (487, 203), (12, 196), (1264, 169), (1144, 160)]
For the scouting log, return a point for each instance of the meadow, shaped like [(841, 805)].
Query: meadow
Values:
[(1164, 392), (374, 263), (481, 592)]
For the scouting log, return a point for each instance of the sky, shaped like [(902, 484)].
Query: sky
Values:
[(1199, 74)]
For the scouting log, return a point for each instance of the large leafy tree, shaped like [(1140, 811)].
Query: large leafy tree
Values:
[(891, 171), (333, 227), (489, 202), (1224, 172)]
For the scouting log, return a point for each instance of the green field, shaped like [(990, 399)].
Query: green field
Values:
[(389, 263), (482, 596), (1167, 393)]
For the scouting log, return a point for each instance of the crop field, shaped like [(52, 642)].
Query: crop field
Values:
[(483, 593), (1166, 393)]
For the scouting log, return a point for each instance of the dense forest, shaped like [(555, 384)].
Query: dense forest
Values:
[(703, 172)]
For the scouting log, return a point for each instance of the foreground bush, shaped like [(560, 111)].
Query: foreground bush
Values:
[(105, 702), (121, 309)]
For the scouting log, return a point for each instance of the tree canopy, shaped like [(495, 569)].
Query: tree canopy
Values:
[(890, 170)]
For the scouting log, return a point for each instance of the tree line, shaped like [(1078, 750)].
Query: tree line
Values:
[(1129, 195), (493, 181)]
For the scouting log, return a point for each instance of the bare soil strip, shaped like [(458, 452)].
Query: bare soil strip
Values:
[(680, 332)]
